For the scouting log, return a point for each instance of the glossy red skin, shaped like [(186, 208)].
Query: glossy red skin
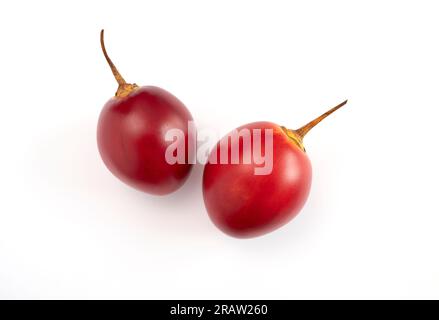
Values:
[(131, 139), (245, 205)]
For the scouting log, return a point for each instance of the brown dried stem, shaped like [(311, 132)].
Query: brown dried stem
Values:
[(298, 135), (301, 132), (124, 88)]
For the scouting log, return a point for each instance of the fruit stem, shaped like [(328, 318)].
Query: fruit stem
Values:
[(301, 132), (298, 135), (124, 88)]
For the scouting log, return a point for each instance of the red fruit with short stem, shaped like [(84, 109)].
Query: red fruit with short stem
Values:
[(131, 135), (244, 204)]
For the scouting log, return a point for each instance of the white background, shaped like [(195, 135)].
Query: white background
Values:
[(370, 229)]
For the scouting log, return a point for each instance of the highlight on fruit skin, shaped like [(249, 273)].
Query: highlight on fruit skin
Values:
[(131, 136), (245, 205)]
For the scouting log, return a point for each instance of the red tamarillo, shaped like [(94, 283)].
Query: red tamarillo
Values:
[(131, 135), (244, 204)]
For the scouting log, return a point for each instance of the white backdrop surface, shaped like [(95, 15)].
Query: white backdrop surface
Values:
[(69, 229)]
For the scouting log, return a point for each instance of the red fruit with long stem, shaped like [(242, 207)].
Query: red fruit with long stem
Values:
[(131, 135), (244, 204)]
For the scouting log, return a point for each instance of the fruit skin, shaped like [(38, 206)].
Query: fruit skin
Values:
[(131, 139), (246, 205)]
